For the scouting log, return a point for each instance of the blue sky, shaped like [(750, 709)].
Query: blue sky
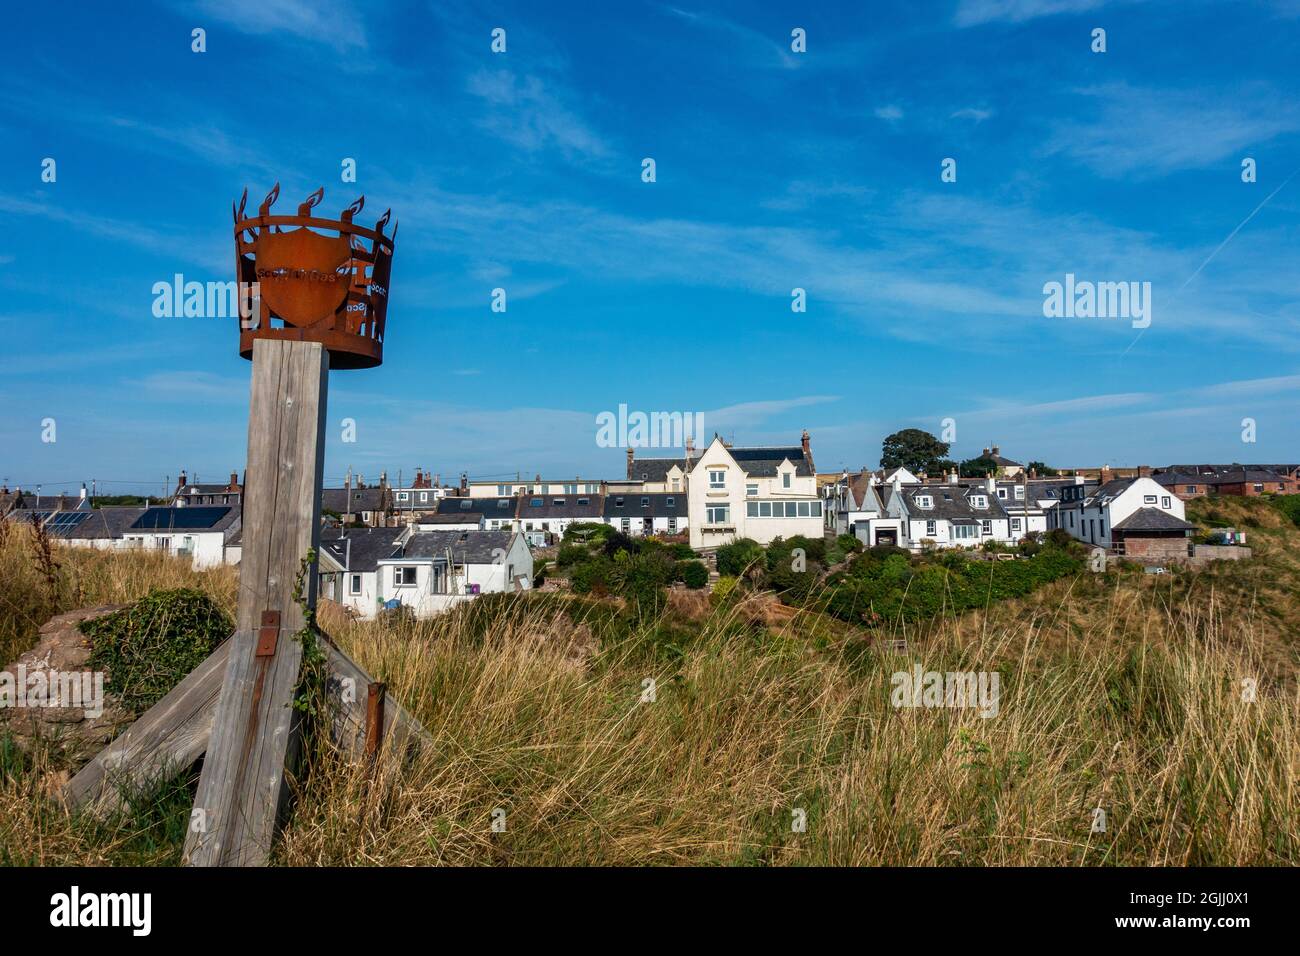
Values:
[(775, 170)]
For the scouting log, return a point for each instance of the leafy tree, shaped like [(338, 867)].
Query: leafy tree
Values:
[(979, 467), (1039, 468), (913, 449)]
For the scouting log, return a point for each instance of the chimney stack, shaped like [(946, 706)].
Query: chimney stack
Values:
[(806, 441), (464, 483), (1144, 471), (631, 454), (83, 491), (234, 481), (1105, 474), (991, 485)]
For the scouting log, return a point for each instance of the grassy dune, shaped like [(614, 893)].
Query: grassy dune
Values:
[(1118, 691)]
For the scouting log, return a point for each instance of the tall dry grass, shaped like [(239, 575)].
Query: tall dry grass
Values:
[(1119, 693), (84, 577)]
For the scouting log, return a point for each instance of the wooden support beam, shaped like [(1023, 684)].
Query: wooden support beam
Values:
[(174, 733), (166, 739), (242, 789)]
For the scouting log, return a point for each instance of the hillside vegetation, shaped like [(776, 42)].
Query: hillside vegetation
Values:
[(1119, 691)]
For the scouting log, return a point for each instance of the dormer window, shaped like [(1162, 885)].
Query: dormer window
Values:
[(924, 501), (645, 502), (618, 502), (1020, 492), (500, 504), (979, 501)]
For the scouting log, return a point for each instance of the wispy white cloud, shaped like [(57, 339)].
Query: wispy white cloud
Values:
[(527, 113), (763, 50), (1138, 132), (333, 23), (889, 112), (974, 12), (972, 113)]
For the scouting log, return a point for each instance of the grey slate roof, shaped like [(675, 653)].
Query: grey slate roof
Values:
[(491, 508), (363, 499), (1225, 476), (763, 462), (655, 469), (952, 502), (1152, 519), (367, 547), (105, 523), (658, 505), (467, 547), (560, 506)]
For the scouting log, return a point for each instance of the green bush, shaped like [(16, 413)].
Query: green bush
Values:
[(1289, 505), (693, 573), (591, 576), (735, 558), (148, 648), (571, 554), (724, 587), (849, 543), (873, 591), (684, 551)]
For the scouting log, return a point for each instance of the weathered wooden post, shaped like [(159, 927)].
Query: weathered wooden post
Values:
[(319, 302)]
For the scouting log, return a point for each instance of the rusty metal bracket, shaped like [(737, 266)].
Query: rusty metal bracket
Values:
[(268, 634)]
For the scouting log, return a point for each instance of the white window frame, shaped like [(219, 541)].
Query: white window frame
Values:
[(354, 583), (399, 576), (716, 482)]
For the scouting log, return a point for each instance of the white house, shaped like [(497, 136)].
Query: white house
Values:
[(545, 516), (198, 532), (1138, 517), (349, 565), (758, 493), (368, 568), (949, 515), (854, 506), (647, 513), (568, 487), (433, 571)]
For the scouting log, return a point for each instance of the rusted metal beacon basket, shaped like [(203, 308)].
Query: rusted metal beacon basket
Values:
[(314, 286)]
